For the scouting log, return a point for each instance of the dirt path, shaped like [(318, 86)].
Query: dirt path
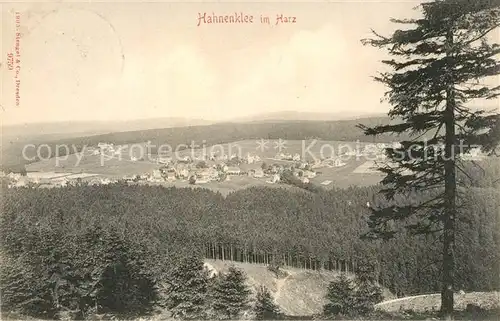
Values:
[(280, 283), (406, 299), (486, 300)]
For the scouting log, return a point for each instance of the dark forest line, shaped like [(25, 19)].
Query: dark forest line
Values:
[(216, 251), (305, 226)]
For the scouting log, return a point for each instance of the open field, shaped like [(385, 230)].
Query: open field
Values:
[(93, 164), (346, 176)]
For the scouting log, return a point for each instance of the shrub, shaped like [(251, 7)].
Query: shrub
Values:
[(354, 298), (265, 308), (340, 296), (230, 294), (368, 292), (187, 289)]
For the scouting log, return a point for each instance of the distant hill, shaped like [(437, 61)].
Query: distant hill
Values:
[(15, 137), (59, 130), (291, 115), (342, 130)]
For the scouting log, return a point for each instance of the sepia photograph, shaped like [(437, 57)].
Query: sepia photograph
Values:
[(245, 160)]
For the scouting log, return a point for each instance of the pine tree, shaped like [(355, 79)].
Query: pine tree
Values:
[(187, 289), (230, 294), (440, 66), (368, 292), (340, 296), (265, 308)]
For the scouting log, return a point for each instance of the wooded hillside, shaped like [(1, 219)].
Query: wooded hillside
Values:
[(299, 225)]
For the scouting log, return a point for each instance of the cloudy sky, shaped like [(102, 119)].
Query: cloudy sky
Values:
[(123, 61)]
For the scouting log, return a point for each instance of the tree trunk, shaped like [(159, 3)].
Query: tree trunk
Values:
[(450, 186)]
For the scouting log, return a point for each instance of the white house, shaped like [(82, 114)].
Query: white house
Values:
[(171, 176), (274, 179), (128, 177), (183, 172), (157, 174), (309, 174), (233, 170), (250, 159), (258, 173), (337, 162), (396, 145), (21, 183), (207, 174), (473, 154), (14, 176)]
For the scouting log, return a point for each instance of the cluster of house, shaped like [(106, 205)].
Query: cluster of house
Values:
[(106, 148), (302, 171), (206, 171), (53, 179), (197, 172), (288, 157), (474, 154), (370, 150), (317, 163), (213, 157)]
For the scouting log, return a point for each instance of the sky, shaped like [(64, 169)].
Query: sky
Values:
[(123, 61)]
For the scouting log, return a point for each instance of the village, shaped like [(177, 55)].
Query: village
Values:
[(199, 168), (196, 168)]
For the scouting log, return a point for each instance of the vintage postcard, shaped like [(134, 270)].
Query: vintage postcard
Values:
[(236, 160)]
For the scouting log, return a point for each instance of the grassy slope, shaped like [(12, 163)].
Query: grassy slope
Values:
[(301, 293)]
